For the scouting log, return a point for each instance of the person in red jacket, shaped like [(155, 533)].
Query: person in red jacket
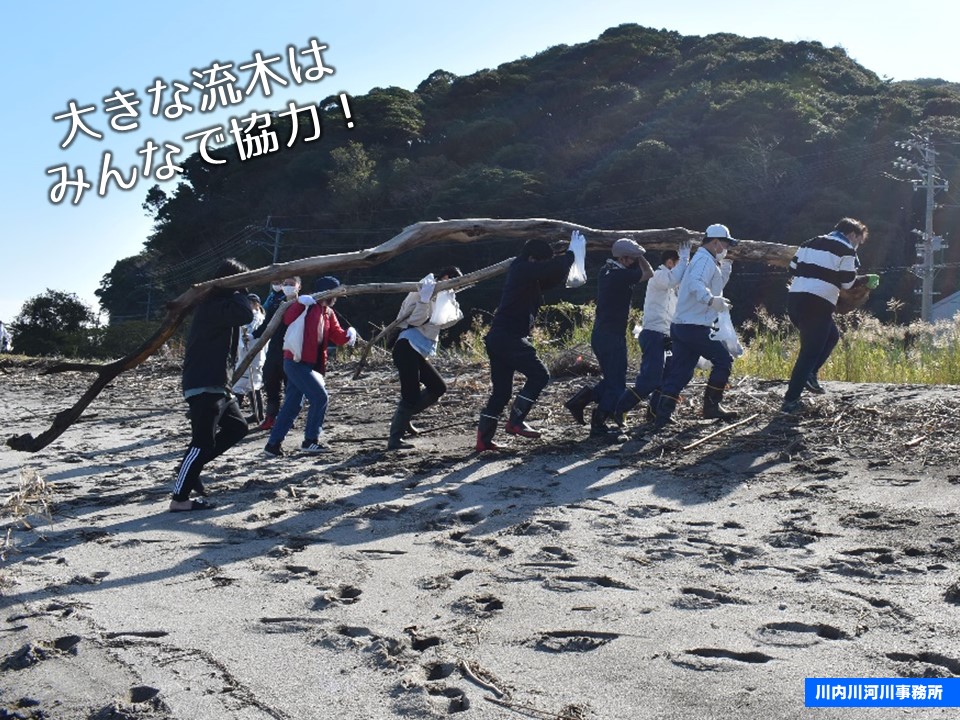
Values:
[(305, 373)]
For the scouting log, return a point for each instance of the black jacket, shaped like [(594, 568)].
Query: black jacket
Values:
[(523, 293), (213, 338)]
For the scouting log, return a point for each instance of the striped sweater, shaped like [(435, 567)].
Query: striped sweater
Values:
[(824, 265)]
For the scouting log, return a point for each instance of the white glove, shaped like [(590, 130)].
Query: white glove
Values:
[(306, 300), (426, 288), (576, 236), (726, 268), (351, 336), (720, 303), (684, 251)]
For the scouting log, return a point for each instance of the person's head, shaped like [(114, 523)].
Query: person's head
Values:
[(322, 284), (717, 240), (627, 252), (290, 286), (854, 230), (670, 258), (254, 301), (537, 250), (230, 266), (448, 273)]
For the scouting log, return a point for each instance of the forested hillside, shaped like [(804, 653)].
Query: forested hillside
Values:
[(639, 128)]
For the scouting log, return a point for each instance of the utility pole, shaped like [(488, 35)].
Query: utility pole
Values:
[(275, 232), (931, 181)]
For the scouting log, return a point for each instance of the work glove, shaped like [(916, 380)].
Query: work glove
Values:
[(720, 303), (872, 281), (684, 251), (351, 337), (426, 288), (575, 237), (726, 268), (307, 300)]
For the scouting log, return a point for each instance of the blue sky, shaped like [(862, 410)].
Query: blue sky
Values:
[(56, 52)]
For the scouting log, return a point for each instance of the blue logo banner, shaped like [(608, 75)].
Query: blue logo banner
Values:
[(881, 692)]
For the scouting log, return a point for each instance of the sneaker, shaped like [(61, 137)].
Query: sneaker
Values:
[(313, 447), (273, 450), (813, 385), (791, 407)]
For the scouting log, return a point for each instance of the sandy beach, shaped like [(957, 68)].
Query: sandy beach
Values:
[(562, 578)]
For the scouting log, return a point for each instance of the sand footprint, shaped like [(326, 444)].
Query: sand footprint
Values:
[(797, 634)]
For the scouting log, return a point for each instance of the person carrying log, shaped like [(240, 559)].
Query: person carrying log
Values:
[(216, 423), (304, 364), (659, 306), (700, 300), (419, 329), (820, 269), (508, 342), (615, 283)]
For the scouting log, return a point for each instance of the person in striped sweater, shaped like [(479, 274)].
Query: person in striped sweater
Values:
[(821, 268)]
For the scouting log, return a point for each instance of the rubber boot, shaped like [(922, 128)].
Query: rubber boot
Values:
[(426, 400), (268, 421), (486, 429), (665, 409), (399, 423), (578, 403), (652, 405), (598, 426), (712, 409), (627, 401), (515, 421)]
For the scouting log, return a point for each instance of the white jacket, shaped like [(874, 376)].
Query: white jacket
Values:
[(660, 302), (704, 280), (252, 378)]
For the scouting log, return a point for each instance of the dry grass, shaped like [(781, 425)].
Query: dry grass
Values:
[(32, 499)]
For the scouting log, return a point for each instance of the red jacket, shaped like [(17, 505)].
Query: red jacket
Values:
[(314, 345)]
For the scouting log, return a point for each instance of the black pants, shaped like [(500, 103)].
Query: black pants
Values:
[(507, 356), (273, 382), (813, 317), (415, 369), (217, 425)]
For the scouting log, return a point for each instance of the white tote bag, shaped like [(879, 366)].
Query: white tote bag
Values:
[(293, 340), (724, 332), (446, 309)]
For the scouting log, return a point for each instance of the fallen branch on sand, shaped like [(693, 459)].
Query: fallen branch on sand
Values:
[(721, 431)]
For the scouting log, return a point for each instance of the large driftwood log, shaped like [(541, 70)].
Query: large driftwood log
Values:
[(417, 235)]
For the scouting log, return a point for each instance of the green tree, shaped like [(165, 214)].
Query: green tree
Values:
[(54, 323)]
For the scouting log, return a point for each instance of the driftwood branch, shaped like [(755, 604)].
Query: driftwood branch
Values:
[(367, 289), (417, 235)]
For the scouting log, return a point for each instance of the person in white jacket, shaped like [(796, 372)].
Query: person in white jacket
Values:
[(700, 300), (250, 383), (416, 343), (659, 306)]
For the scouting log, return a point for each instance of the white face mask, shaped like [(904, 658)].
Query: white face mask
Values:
[(722, 254), (290, 290), (276, 287)]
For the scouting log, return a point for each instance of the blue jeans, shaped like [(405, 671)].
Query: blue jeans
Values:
[(653, 362), (611, 352), (302, 381), (813, 317), (690, 343)]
